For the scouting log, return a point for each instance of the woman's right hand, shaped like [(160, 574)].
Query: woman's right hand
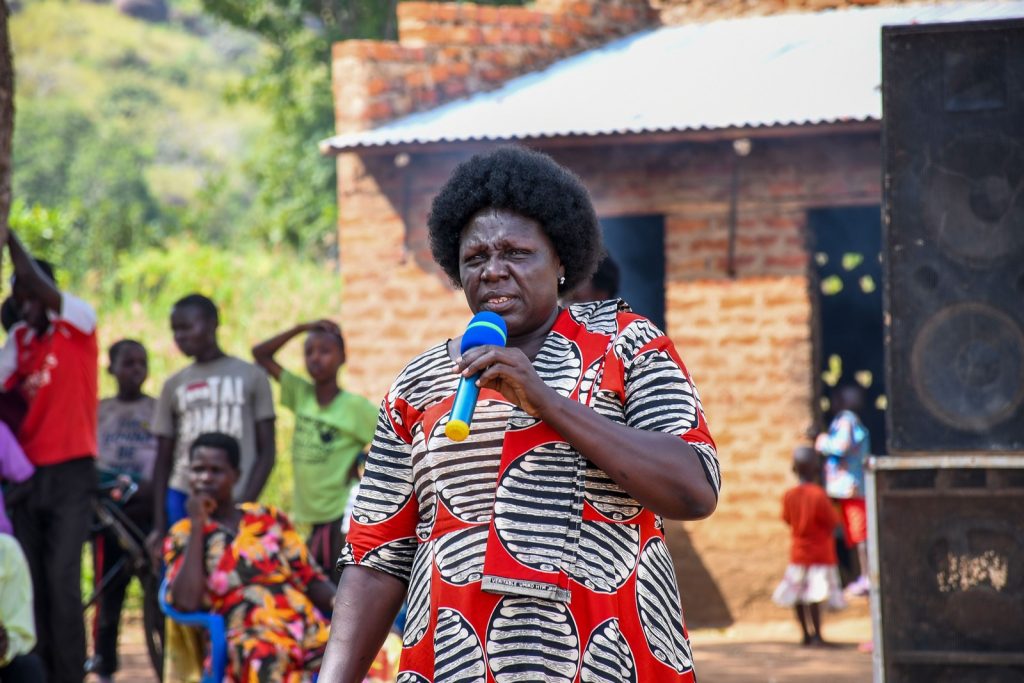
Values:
[(199, 508)]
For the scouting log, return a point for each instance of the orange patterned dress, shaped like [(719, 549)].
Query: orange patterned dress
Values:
[(257, 579)]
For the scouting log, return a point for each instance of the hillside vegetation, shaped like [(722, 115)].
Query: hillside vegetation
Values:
[(125, 130)]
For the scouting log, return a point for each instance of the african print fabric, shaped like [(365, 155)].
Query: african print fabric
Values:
[(258, 580), (429, 511)]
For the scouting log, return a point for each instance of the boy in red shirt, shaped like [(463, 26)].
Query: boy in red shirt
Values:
[(812, 576), (50, 358)]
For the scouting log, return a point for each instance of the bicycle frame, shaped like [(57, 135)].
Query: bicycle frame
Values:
[(111, 517)]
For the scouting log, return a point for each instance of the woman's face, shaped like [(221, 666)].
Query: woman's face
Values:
[(212, 474), (508, 265)]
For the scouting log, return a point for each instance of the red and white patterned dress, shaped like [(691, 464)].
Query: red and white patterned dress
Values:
[(430, 510)]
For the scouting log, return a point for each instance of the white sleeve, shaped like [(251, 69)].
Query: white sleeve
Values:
[(8, 359), (77, 313)]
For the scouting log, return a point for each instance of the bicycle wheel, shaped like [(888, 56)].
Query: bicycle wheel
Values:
[(153, 623)]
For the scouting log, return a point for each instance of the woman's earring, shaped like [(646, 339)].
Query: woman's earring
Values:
[(561, 280)]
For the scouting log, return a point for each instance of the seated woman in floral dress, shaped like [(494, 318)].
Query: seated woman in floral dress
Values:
[(249, 564)]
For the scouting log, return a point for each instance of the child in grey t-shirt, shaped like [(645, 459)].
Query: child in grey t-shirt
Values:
[(126, 447)]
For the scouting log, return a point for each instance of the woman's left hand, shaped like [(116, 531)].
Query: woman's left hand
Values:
[(509, 372)]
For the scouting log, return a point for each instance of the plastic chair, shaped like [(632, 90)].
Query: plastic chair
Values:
[(213, 624)]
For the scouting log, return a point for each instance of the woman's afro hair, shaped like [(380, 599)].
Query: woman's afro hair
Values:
[(530, 184)]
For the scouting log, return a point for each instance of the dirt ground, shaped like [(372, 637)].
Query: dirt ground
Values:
[(768, 652), (752, 652)]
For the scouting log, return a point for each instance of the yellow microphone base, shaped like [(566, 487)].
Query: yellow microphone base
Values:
[(456, 430)]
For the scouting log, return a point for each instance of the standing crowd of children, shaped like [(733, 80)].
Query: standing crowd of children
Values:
[(54, 434)]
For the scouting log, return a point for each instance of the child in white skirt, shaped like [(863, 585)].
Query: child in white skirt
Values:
[(812, 577)]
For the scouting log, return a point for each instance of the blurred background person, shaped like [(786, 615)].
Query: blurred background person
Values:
[(246, 562), (812, 577), (602, 285), (127, 448), (51, 359), (332, 427)]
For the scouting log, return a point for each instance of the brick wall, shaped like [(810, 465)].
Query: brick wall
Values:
[(747, 340), (448, 50)]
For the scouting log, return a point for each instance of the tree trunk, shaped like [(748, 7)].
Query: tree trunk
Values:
[(6, 119)]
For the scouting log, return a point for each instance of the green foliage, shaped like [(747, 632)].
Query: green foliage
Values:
[(44, 232)]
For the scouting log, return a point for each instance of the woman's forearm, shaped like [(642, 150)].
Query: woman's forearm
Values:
[(660, 470), (364, 608), (190, 583)]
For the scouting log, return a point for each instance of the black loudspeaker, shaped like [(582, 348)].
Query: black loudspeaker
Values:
[(951, 587), (953, 145)]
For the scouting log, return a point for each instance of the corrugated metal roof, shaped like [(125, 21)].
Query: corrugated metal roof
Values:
[(791, 69)]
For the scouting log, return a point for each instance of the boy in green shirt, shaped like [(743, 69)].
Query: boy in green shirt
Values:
[(332, 427)]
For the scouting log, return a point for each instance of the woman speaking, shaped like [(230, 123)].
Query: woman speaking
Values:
[(532, 550)]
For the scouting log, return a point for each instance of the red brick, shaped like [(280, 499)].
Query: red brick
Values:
[(512, 35), (416, 79), (559, 39), (487, 14), (492, 75), (575, 26), (440, 73), (492, 35), (446, 11), (377, 85), (581, 8), (533, 18), (795, 262), (351, 48), (453, 88), (419, 11), (469, 35), (378, 110)]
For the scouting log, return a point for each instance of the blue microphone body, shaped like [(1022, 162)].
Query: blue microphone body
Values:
[(485, 328)]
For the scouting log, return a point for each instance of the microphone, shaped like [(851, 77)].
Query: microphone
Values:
[(485, 328)]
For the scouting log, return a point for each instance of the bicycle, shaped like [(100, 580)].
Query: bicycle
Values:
[(114, 492)]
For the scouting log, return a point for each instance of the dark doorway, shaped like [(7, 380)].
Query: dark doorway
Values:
[(637, 244), (847, 248)]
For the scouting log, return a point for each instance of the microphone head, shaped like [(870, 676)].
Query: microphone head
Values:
[(485, 328)]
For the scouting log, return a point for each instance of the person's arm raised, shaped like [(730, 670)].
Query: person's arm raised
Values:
[(364, 609), (189, 585), (660, 470), (33, 277), (263, 353)]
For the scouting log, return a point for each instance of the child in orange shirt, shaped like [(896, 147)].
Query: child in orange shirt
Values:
[(812, 576)]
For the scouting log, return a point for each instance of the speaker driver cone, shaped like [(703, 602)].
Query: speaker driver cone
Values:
[(967, 366), (973, 199)]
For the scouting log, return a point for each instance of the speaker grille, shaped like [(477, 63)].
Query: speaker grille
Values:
[(953, 142)]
